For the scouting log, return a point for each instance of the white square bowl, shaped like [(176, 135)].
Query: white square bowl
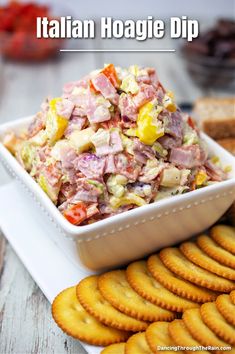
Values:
[(138, 232)]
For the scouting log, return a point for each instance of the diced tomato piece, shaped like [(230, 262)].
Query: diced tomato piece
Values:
[(92, 87), (193, 185), (76, 213), (110, 72), (191, 123)]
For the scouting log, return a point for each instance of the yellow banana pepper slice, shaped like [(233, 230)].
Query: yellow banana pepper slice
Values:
[(55, 124), (201, 178), (168, 102), (128, 198), (148, 128)]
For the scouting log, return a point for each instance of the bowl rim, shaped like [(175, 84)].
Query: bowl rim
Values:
[(136, 213)]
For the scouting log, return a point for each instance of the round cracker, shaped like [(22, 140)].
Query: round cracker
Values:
[(232, 296), (193, 321), (182, 337), (213, 250), (176, 284), (225, 236), (92, 300), (74, 320), (157, 335), (115, 289), (217, 323), (118, 348), (226, 308), (197, 256), (137, 344), (180, 265), (149, 288)]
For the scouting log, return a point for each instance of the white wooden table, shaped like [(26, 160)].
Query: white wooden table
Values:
[(26, 325)]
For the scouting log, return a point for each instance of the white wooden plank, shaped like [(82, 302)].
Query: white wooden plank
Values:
[(26, 324)]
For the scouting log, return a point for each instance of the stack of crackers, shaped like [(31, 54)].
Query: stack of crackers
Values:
[(217, 118), (182, 296)]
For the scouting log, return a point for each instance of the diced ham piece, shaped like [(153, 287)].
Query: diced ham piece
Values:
[(169, 142), (142, 152), (86, 192), (90, 165), (127, 107), (43, 153), (97, 112), (187, 156), (150, 173), (129, 104), (64, 108), (146, 93), (37, 124), (173, 125), (127, 166), (68, 190), (80, 101), (84, 103), (52, 174), (67, 156), (153, 76), (92, 210), (70, 86), (114, 122), (109, 164), (215, 172), (75, 123), (143, 79), (104, 86), (149, 78), (101, 114), (114, 146)]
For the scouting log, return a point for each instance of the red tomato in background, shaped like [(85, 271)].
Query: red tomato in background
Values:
[(18, 32)]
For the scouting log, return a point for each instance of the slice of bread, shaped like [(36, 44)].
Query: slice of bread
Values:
[(216, 116), (228, 144)]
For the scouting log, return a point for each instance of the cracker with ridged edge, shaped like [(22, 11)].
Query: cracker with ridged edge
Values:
[(182, 337), (193, 321), (157, 335), (74, 320), (213, 250), (137, 344), (217, 323), (92, 300), (180, 265), (176, 284), (115, 288), (200, 258), (118, 348), (149, 288), (226, 308), (225, 236), (232, 296)]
